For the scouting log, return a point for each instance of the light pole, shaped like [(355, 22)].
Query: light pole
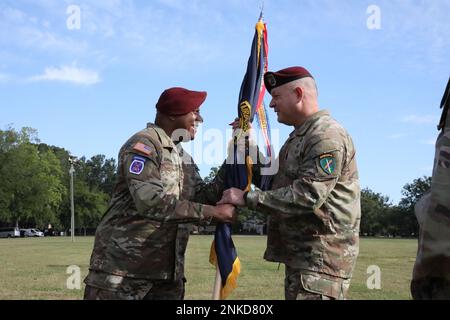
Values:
[(72, 206)]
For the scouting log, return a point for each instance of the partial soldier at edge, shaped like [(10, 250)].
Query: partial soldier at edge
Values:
[(431, 274)]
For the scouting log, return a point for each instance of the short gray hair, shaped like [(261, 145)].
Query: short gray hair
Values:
[(308, 84)]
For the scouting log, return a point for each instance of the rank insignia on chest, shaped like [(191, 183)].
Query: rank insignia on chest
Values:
[(137, 165), (327, 163)]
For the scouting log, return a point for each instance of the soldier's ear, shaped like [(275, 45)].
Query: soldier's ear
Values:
[(299, 93)]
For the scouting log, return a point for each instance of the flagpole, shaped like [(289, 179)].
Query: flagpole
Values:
[(223, 252), (262, 10), (217, 285)]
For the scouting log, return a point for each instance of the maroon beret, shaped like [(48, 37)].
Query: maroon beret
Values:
[(276, 79), (178, 101)]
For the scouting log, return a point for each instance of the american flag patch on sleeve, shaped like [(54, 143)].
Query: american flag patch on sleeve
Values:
[(142, 148)]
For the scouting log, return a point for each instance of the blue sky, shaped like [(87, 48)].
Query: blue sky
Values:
[(89, 89)]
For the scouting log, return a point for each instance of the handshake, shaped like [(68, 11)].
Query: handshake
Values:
[(225, 211)]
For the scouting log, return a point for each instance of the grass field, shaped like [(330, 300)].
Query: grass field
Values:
[(35, 268)]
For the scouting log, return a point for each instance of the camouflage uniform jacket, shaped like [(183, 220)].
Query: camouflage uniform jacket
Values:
[(314, 203), (433, 214), (145, 230)]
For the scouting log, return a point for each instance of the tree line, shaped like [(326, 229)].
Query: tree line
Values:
[(380, 217), (35, 190), (35, 183)]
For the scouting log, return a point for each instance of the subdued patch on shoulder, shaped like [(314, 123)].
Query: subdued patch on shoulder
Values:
[(142, 148), (327, 162), (137, 165)]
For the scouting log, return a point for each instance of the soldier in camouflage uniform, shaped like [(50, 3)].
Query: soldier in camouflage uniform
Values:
[(313, 206), (141, 241), (431, 275)]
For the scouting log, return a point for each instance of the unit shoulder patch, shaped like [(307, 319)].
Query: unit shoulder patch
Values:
[(327, 163), (137, 165)]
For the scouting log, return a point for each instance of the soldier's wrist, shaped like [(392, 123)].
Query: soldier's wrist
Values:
[(207, 214), (245, 196), (251, 199)]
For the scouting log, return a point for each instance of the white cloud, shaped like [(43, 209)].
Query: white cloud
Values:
[(68, 74), (45, 40), (414, 33), (163, 33), (415, 119), (19, 29), (151, 34), (13, 15)]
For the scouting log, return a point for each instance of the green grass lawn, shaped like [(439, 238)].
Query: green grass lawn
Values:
[(35, 268)]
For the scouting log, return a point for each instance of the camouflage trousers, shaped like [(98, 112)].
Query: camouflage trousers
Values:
[(301, 285), (99, 287), (430, 289)]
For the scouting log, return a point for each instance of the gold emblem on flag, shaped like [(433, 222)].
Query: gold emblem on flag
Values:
[(245, 115)]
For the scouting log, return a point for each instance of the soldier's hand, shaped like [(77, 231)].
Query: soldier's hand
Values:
[(225, 213), (233, 196), (235, 124)]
